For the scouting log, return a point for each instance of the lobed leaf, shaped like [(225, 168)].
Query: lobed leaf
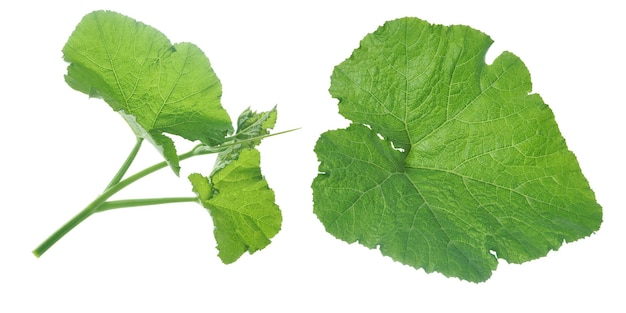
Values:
[(450, 163), (158, 87), (241, 205)]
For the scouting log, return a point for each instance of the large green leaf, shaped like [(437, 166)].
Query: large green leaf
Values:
[(450, 163), (241, 205), (158, 87)]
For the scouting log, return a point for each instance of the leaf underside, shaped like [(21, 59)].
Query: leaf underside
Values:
[(157, 86), (449, 163)]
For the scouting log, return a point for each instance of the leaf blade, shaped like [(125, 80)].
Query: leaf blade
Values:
[(241, 205), (479, 165), (133, 67)]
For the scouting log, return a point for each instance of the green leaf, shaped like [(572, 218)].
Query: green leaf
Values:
[(251, 124), (241, 205), (251, 127), (158, 87), (236, 194), (450, 163)]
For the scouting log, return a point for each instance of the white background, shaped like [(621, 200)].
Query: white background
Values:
[(59, 149)]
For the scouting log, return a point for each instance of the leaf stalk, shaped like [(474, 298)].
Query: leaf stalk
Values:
[(117, 183)]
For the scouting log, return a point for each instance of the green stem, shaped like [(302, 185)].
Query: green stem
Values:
[(85, 213), (110, 205), (117, 183), (124, 168), (94, 206)]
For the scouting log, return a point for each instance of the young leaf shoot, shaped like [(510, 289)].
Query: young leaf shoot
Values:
[(449, 163), (161, 88)]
